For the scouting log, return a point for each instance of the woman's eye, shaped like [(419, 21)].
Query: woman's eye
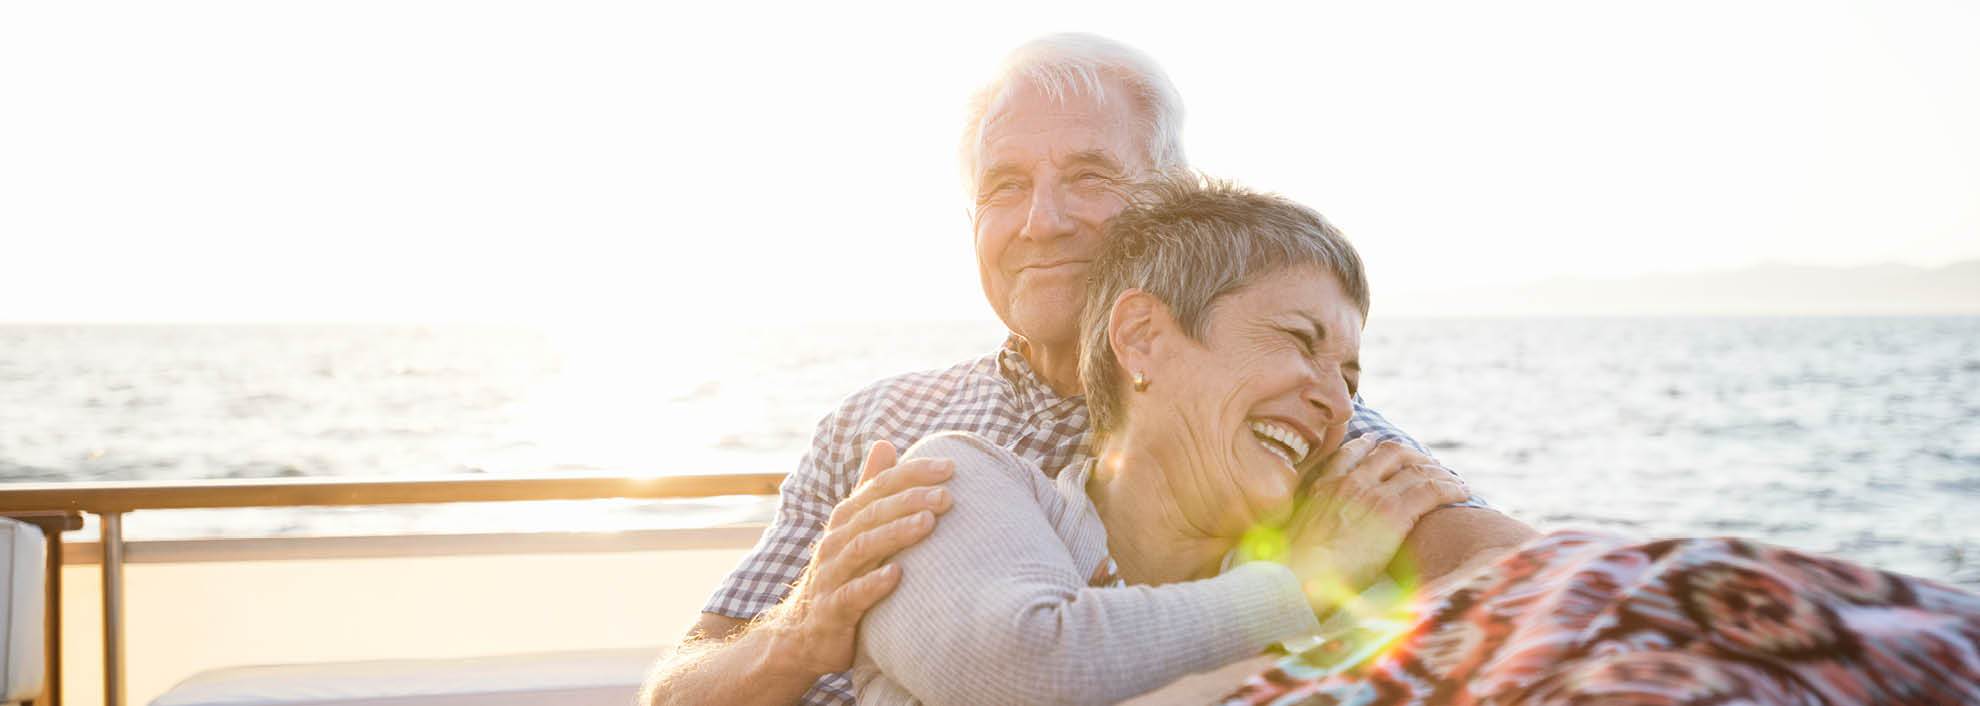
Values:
[(1305, 340)]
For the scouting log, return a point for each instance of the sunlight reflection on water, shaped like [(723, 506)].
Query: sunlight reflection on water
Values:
[(1859, 437)]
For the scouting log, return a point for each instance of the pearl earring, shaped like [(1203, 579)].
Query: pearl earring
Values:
[(1140, 382)]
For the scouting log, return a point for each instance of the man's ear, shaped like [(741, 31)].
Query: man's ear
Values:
[(1138, 328)]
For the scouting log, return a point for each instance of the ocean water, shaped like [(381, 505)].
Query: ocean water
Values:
[(1856, 437)]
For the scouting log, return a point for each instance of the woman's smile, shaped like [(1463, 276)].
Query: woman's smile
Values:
[(1282, 440)]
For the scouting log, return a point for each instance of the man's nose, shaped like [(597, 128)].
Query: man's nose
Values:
[(1048, 218)]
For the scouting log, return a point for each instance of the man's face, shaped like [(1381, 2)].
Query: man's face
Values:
[(1049, 176)]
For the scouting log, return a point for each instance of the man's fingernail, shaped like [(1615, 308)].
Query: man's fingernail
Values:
[(934, 495), (923, 518)]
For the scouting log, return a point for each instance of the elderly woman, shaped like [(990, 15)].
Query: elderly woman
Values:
[(1220, 364)]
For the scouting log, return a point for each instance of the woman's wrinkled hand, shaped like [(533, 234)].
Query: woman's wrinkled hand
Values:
[(1353, 514)]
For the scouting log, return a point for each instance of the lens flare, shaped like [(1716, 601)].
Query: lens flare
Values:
[(1264, 543)]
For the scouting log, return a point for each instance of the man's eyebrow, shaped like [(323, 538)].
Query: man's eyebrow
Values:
[(999, 170), (1096, 157)]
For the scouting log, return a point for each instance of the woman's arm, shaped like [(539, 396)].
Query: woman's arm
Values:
[(993, 607), (1205, 687)]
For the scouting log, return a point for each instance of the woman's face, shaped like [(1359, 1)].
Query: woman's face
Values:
[(1267, 392)]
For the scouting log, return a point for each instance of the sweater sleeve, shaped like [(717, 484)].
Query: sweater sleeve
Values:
[(992, 607)]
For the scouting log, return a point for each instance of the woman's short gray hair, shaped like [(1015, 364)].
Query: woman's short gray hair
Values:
[(1071, 64), (1189, 240)]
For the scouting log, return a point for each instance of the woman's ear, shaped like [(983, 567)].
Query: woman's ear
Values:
[(1138, 327)]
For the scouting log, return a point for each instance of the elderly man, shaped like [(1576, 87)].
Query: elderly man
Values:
[(1048, 151)]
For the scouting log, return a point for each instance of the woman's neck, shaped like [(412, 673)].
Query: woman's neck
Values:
[(1151, 539)]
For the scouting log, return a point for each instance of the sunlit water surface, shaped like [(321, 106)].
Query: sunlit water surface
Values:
[(1858, 437)]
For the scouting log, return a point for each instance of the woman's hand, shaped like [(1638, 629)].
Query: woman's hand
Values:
[(1353, 515)]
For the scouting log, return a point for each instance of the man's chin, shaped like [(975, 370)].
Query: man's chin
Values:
[(1052, 324)]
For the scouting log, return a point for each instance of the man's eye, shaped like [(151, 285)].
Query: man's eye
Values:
[(999, 190)]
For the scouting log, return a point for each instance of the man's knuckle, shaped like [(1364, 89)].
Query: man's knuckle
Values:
[(839, 518), (865, 517), (828, 543), (860, 545), (883, 508)]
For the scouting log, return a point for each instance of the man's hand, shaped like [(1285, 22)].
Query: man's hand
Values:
[(893, 507), (776, 658), (1360, 503)]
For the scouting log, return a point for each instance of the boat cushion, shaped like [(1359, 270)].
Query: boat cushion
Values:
[(23, 575), (576, 678)]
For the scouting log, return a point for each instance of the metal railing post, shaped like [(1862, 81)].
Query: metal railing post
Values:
[(113, 608), (53, 524), (51, 693)]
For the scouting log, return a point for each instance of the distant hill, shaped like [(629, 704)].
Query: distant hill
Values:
[(1760, 290)]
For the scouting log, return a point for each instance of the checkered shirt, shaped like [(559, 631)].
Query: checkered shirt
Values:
[(997, 396)]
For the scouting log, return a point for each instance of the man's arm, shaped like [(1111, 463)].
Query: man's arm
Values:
[(1452, 541), (721, 661), (775, 658)]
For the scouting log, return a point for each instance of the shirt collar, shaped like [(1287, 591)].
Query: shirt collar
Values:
[(1033, 393), (1072, 481)]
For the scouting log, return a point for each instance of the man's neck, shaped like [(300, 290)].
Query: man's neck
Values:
[(1150, 539), (1057, 365)]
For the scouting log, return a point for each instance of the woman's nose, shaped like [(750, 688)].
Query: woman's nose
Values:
[(1329, 394)]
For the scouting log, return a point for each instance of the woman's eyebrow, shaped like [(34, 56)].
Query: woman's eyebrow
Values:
[(1319, 327)]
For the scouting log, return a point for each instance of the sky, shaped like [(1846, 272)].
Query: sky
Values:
[(440, 160)]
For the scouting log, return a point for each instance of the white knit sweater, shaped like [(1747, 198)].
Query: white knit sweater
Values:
[(994, 607)]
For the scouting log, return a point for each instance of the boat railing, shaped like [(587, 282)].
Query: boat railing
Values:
[(59, 507)]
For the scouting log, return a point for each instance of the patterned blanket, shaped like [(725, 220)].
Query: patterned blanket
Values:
[(1578, 617)]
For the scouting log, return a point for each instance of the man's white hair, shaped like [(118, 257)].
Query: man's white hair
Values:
[(1074, 64)]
